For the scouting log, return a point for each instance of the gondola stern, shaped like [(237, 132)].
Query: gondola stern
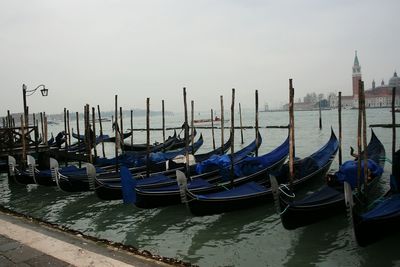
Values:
[(12, 163), (182, 184), (91, 173), (275, 192)]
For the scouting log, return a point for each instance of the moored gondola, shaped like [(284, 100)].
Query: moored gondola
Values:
[(142, 148), (256, 167), (78, 181), (374, 221), (111, 189), (101, 138), (172, 143), (255, 193), (329, 199)]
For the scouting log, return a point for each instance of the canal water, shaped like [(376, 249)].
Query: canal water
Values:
[(251, 237)]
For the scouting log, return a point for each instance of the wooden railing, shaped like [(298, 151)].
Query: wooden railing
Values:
[(13, 138)]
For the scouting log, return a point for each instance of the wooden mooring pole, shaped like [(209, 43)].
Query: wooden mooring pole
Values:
[(241, 124), (222, 121), (45, 128), (163, 122), (359, 130), (65, 136), (131, 129), (320, 115), (232, 174), (116, 131), (364, 139), (291, 135), (393, 129), (42, 128), (94, 132), (121, 129), (148, 137), (23, 139), (212, 130), (256, 126), (192, 126), (68, 130), (9, 119), (65, 128), (78, 132), (186, 134), (101, 131), (89, 134), (340, 127)]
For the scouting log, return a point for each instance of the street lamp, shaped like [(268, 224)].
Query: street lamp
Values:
[(25, 92)]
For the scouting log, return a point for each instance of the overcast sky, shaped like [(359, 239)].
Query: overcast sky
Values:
[(88, 51)]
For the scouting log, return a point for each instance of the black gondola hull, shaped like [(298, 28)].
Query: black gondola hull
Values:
[(152, 199), (106, 192), (368, 232), (248, 201), (293, 217), (74, 184), (24, 179), (45, 180), (208, 207)]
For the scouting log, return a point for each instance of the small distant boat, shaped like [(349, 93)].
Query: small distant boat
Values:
[(216, 120), (396, 110), (102, 120)]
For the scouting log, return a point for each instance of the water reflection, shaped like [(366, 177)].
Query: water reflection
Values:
[(314, 244)]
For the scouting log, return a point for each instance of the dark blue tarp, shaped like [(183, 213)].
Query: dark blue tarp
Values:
[(132, 159), (324, 195), (223, 161), (194, 184), (125, 159), (252, 165), (153, 179), (308, 165), (348, 172), (388, 207), (245, 189), (220, 161), (164, 156)]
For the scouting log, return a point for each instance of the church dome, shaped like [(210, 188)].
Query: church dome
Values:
[(395, 80)]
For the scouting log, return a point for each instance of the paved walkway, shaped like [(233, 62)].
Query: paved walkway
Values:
[(14, 253), (23, 243)]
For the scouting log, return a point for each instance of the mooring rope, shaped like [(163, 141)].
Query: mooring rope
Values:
[(284, 192)]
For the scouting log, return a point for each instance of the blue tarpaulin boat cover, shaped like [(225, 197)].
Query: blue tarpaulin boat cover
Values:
[(193, 184), (323, 195), (245, 189), (252, 165), (388, 207), (222, 162), (348, 171), (164, 156), (153, 179)]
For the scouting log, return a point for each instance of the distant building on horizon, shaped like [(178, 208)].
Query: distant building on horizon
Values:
[(375, 97)]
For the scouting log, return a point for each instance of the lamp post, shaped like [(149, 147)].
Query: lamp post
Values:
[(26, 92)]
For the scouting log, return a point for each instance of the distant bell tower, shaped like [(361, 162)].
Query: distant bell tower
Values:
[(356, 76)]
